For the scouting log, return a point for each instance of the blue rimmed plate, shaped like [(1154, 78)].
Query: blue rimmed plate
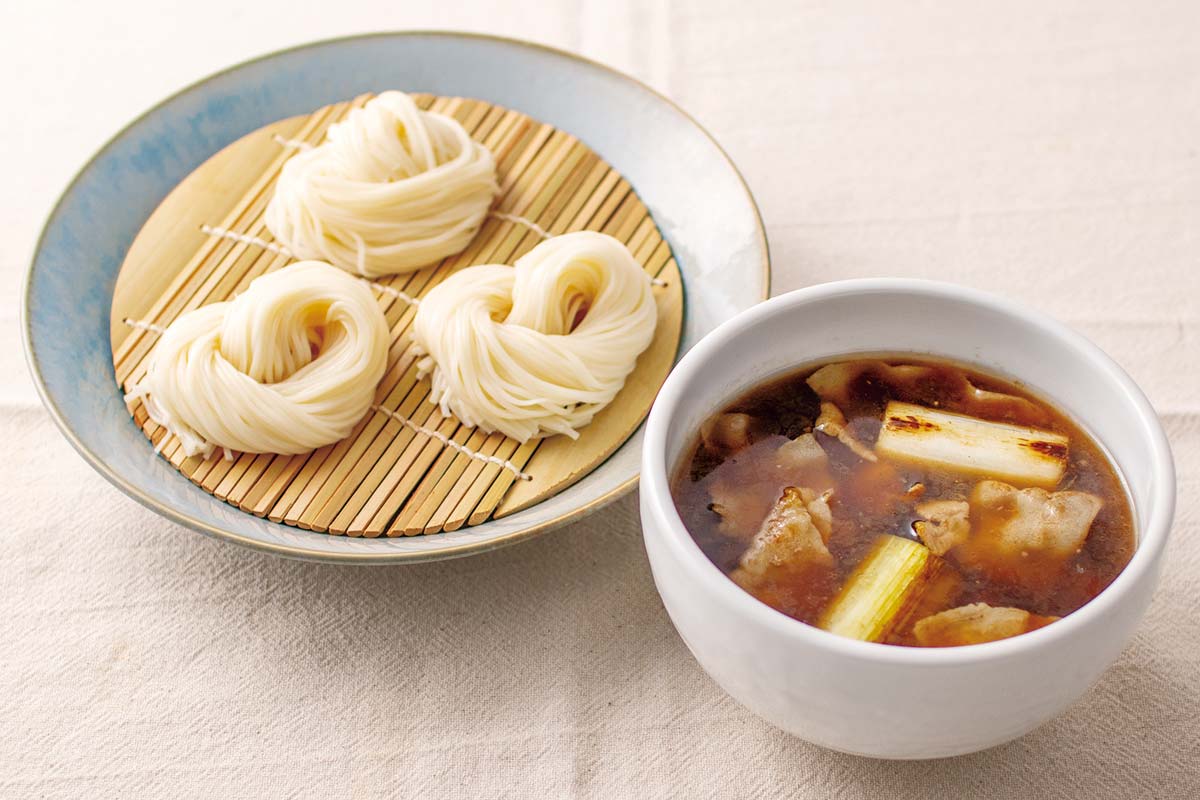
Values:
[(694, 192)]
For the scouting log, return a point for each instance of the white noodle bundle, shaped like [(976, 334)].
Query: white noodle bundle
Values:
[(538, 348), (285, 367), (392, 189)]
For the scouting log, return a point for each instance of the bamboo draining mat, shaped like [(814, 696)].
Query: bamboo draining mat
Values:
[(385, 478)]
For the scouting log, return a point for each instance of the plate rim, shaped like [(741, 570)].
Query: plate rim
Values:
[(299, 553)]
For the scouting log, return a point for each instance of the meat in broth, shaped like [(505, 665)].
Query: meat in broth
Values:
[(906, 501)]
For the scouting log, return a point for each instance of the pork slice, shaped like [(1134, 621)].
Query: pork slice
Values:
[(743, 495), (946, 524), (801, 454), (793, 536), (727, 433), (1031, 521), (740, 508), (832, 422), (834, 382), (975, 624)]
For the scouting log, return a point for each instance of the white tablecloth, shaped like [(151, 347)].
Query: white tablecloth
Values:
[(1048, 151)]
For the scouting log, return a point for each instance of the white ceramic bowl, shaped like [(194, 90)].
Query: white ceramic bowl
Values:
[(873, 699)]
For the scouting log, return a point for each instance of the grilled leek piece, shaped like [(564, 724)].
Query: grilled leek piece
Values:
[(884, 590), (1013, 453)]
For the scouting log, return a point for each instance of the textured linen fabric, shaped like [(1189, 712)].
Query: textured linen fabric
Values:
[(1050, 152)]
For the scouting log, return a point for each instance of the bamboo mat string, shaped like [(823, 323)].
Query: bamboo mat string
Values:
[(225, 233), (448, 442), (150, 327), (530, 224), (393, 292), (295, 144)]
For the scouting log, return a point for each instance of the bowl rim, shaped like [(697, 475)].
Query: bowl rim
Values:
[(383, 556), (669, 528)]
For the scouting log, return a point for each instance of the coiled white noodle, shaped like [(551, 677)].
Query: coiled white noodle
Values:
[(538, 348), (392, 189), (285, 367)]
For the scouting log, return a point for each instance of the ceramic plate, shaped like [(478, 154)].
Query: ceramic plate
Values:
[(694, 192)]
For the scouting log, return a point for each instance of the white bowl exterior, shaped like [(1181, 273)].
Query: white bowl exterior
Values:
[(874, 699)]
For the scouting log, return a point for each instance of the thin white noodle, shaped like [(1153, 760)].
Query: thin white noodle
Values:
[(506, 348), (285, 367), (391, 189)]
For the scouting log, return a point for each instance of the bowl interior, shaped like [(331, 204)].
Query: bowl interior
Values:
[(715, 235), (930, 319)]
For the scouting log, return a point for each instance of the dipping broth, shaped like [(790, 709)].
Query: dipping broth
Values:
[(906, 501)]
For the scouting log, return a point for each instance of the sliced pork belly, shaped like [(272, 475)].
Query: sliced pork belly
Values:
[(975, 624), (727, 433), (1026, 521), (741, 510), (801, 454), (832, 422), (792, 538), (742, 498), (945, 524), (835, 382)]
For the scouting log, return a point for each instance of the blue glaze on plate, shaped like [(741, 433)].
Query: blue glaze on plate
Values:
[(693, 191)]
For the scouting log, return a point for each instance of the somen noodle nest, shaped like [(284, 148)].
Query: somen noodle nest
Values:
[(392, 189), (285, 367), (540, 347)]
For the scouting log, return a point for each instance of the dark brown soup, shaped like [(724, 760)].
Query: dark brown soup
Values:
[(906, 501)]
